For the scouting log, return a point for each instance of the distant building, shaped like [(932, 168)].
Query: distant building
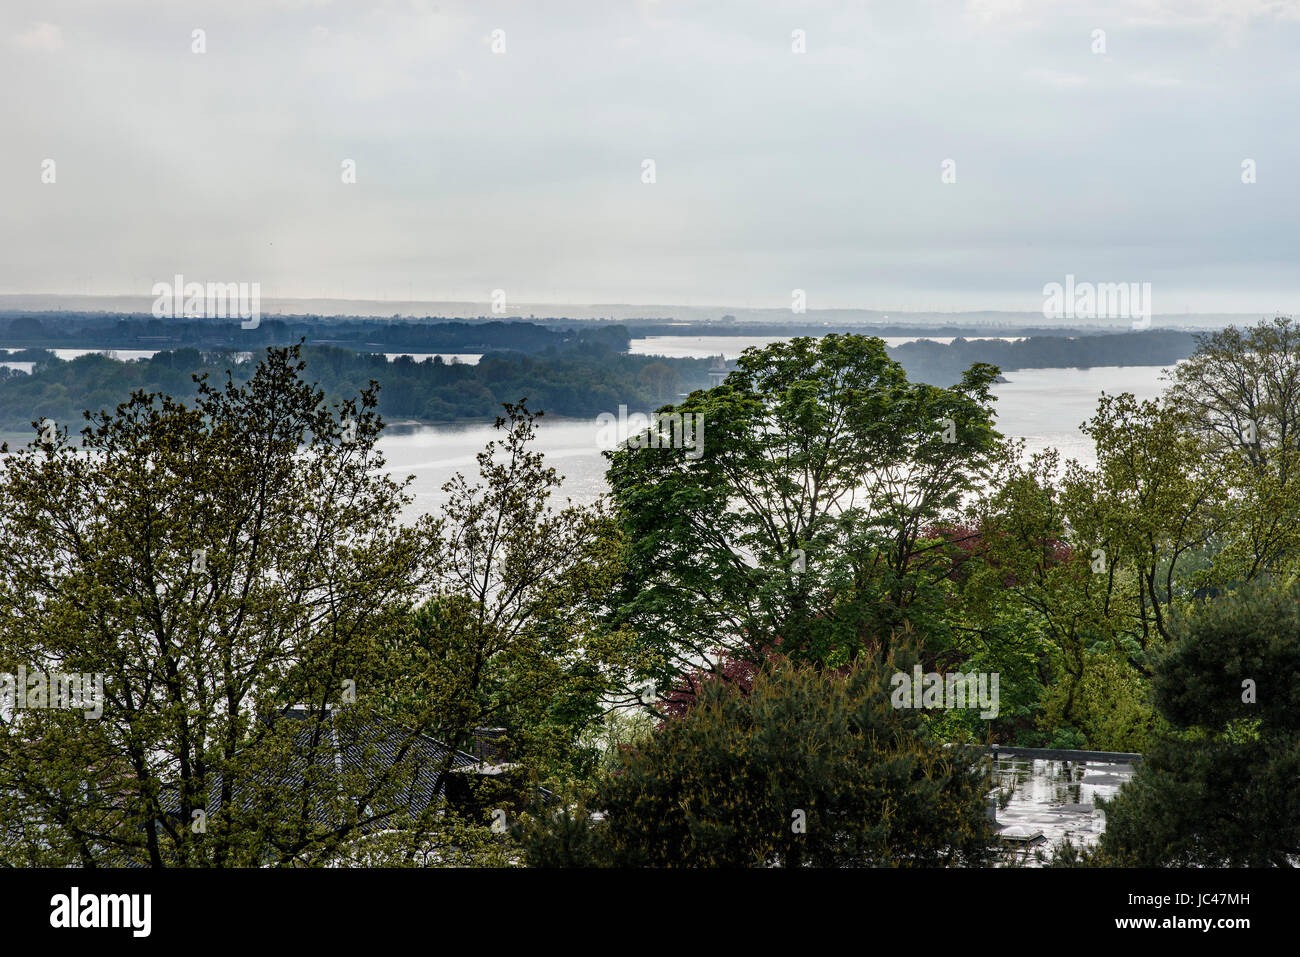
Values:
[(718, 372)]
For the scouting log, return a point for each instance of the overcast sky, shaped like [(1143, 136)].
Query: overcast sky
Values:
[(774, 170)]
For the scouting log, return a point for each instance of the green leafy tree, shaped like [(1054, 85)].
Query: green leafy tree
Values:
[(512, 637), (1240, 391), (1219, 790), (214, 563), (1148, 505), (799, 519), (660, 380), (809, 768), (1030, 605), (1053, 590)]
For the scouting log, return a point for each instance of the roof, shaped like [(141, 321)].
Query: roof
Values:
[(343, 749)]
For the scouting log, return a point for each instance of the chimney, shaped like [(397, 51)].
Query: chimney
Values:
[(489, 745)]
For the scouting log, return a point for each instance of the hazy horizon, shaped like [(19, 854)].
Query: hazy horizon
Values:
[(503, 147), (383, 309)]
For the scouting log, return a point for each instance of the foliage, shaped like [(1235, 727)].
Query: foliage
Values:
[(581, 380), (511, 637), (1109, 707), (1219, 789), (215, 564), (799, 523), (808, 768)]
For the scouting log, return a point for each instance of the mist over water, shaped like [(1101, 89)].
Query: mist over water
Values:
[(1045, 407)]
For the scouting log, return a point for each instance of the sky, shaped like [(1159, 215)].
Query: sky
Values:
[(505, 146)]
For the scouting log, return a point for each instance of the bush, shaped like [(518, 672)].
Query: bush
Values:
[(1220, 789), (807, 768)]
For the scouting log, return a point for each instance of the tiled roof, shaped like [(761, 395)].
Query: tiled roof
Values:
[(345, 748)]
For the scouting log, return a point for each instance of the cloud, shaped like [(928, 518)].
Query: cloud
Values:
[(42, 36), (1152, 78), (1153, 13), (775, 171), (1057, 78), (992, 11), (1210, 12)]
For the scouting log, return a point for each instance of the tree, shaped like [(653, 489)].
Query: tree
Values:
[(808, 768), (660, 380), (1148, 505), (214, 564), (1075, 569), (1241, 394), (1241, 389), (511, 637), (1219, 790), (797, 521)]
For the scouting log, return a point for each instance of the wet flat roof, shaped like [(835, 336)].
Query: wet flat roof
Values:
[(1055, 799)]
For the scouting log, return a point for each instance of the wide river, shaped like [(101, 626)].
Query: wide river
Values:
[(1043, 406)]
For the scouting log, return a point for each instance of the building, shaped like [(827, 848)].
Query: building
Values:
[(718, 372)]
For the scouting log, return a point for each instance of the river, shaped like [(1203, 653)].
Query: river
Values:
[(1043, 406)]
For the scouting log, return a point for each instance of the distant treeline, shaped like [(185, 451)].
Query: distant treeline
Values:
[(941, 364), (640, 328), (585, 380), (581, 379), (78, 331)]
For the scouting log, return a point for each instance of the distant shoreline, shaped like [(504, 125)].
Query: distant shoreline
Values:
[(625, 313)]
